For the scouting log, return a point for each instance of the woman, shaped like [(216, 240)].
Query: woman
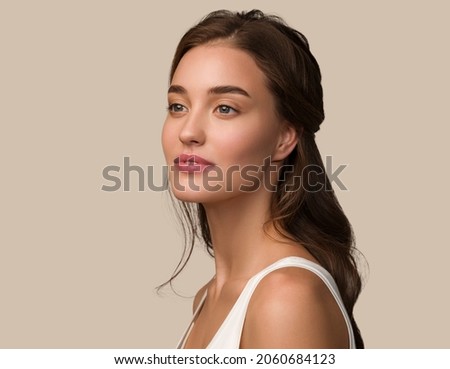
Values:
[(245, 101)]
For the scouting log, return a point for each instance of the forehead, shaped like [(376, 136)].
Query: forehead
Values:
[(206, 66)]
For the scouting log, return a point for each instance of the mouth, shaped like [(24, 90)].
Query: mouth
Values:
[(191, 163)]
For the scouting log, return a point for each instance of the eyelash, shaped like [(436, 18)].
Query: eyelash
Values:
[(228, 107), (172, 106)]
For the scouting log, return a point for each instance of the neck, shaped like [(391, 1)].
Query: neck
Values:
[(240, 239)]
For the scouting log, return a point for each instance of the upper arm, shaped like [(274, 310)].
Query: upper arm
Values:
[(293, 308)]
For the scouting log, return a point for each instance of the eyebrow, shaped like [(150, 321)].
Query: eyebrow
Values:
[(176, 89), (217, 90)]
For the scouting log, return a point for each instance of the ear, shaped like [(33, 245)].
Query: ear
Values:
[(287, 141)]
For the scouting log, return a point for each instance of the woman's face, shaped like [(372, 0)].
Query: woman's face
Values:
[(221, 125)]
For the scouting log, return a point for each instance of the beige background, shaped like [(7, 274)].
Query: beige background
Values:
[(83, 85)]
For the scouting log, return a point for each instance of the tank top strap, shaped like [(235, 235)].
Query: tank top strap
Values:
[(188, 330), (229, 333)]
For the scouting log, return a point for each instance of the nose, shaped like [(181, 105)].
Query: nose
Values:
[(193, 132)]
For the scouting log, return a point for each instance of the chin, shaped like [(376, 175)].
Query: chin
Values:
[(195, 189), (203, 195), (192, 188), (187, 196)]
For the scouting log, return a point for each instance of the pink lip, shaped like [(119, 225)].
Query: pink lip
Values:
[(191, 163)]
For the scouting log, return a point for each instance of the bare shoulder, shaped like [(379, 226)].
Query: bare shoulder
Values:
[(293, 308), (199, 295)]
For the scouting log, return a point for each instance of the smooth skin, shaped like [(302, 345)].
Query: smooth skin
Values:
[(219, 107)]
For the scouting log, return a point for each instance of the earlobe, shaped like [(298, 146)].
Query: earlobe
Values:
[(288, 139)]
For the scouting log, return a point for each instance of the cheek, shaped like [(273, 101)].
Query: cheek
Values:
[(251, 147), (254, 138)]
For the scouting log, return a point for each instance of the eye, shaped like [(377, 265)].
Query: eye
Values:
[(176, 108), (225, 109)]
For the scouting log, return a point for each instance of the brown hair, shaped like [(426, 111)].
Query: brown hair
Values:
[(310, 215)]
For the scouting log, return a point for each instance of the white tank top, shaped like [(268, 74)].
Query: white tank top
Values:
[(228, 336)]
